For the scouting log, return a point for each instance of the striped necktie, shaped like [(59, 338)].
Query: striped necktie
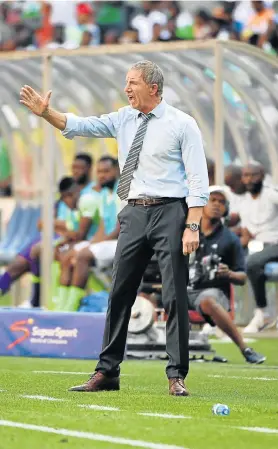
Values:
[(132, 159)]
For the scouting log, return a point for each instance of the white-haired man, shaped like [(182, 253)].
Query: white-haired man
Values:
[(165, 182)]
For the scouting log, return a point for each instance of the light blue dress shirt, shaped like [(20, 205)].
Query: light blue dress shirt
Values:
[(172, 160)]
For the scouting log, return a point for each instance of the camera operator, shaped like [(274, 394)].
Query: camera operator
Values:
[(219, 262)]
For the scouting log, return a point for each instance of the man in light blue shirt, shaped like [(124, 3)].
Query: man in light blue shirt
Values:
[(164, 181)]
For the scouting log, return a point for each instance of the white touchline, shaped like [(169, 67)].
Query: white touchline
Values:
[(90, 436), (165, 415), (41, 398), (100, 407), (70, 372), (61, 372), (258, 429), (243, 377), (254, 367)]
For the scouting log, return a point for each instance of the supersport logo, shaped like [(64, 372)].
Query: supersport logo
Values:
[(19, 326)]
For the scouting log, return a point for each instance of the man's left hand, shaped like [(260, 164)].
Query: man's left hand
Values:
[(190, 241), (223, 271)]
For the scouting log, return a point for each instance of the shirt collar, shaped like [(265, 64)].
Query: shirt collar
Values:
[(217, 230), (157, 111)]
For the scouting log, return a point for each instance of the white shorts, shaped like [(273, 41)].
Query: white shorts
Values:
[(104, 252)]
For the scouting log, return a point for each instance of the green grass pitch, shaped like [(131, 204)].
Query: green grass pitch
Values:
[(29, 395)]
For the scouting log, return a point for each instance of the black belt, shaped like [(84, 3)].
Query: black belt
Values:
[(153, 201)]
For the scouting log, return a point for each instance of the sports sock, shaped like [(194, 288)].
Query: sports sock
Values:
[(5, 282), (74, 297)]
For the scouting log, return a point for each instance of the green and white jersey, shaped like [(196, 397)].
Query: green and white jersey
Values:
[(89, 207)]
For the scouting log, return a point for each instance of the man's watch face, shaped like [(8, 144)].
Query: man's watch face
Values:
[(194, 227)]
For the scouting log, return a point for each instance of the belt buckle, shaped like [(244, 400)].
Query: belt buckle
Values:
[(145, 202)]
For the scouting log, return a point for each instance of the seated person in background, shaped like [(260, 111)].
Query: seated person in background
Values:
[(23, 262), (256, 30), (81, 170), (258, 213), (100, 251), (79, 224), (210, 284), (235, 191), (211, 171)]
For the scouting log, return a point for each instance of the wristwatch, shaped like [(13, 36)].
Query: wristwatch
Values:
[(193, 226)]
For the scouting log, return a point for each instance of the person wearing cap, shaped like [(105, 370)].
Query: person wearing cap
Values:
[(87, 32), (210, 295)]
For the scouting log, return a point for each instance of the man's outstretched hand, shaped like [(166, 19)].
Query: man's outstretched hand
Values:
[(34, 101)]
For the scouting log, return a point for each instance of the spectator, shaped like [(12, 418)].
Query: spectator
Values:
[(236, 189), (112, 18), (222, 24), (7, 33), (111, 37), (202, 25), (44, 35), (211, 171), (28, 22), (145, 20), (241, 15), (258, 212), (257, 30), (129, 36), (86, 32)]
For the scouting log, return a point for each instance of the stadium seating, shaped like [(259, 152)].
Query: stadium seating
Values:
[(21, 231)]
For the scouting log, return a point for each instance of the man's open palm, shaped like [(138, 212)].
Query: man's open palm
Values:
[(34, 101)]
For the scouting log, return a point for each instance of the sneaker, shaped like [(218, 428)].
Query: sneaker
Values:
[(207, 330), (259, 322), (256, 324), (25, 305), (252, 356)]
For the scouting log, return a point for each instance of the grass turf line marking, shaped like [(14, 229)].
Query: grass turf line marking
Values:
[(100, 407), (105, 408), (71, 372), (41, 398), (165, 415), (258, 429), (242, 377), (47, 398), (89, 436)]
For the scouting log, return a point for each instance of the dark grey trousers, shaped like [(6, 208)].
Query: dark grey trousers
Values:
[(255, 271), (145, 231)]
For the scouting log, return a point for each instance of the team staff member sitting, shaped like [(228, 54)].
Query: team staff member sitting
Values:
[(209, 290), (66, 219), (100, 250)]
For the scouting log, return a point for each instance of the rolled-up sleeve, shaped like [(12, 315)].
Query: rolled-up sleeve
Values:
[(195, 165), (104, 126)]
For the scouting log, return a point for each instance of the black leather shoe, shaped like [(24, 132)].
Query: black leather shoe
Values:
[(99, 382)]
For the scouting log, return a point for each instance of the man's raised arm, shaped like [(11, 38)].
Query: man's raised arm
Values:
[(70, 124)]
